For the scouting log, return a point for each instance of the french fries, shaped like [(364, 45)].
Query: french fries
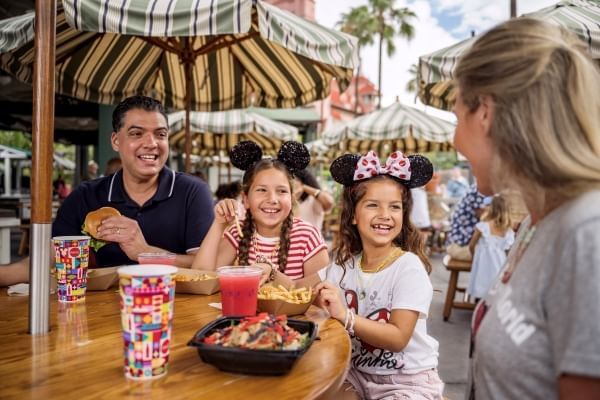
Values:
[(296, 296), (238, 226), (196, 278)]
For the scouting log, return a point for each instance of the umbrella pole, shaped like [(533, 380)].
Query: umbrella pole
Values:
[(41, 166), (188, 104)]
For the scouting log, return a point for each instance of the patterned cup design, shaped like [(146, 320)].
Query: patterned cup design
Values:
[(147, 295), (71, 256)]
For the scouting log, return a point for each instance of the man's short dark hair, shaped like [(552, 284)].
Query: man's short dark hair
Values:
[(142, 102)]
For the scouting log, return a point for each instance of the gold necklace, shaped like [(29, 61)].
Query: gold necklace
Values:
[(393, 255), (364, 286), (258, 254)]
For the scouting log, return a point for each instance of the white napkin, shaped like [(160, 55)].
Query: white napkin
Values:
[(215, 305), (20, 289)]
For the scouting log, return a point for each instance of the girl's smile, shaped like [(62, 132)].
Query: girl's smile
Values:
[(378, 215), (269, 200)]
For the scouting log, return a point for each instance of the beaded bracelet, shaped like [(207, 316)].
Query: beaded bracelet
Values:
[(350, 328), (262, 259), (346, 318)]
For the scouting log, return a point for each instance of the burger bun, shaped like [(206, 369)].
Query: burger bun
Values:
[(93, 219)]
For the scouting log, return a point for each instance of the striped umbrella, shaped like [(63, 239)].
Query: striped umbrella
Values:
[(216, 132), (190, 54), (396, 127), (582, 17)]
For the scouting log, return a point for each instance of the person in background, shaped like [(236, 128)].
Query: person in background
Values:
[(91, 171), (112, 166), (161, 210), (378, 286), (492, 238), (420, 209), (527, 109), (457, 185), (313, 202), (465, 216), (232, 190), (61, 189)]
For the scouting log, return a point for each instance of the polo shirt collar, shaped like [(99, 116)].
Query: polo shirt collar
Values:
[(166, 183)]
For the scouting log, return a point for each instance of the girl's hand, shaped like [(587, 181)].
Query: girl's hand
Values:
[(225, 211), (329, 298), (266, 272)]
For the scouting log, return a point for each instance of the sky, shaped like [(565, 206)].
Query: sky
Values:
[(439, 23)]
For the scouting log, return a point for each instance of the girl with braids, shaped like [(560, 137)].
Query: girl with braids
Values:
[(285, 247), (378, 287)]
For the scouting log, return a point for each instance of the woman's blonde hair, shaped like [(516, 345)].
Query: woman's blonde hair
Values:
[(546, 90)]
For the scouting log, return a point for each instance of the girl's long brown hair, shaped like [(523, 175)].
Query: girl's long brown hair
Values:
[(350, 244), (249, 226), (498, 212)]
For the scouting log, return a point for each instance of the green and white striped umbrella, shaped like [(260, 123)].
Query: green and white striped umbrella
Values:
[(582, 17), (215, 133), (192, 55), (396, 127)]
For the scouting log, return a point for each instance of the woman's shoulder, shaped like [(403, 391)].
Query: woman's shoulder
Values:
[(575, 214)]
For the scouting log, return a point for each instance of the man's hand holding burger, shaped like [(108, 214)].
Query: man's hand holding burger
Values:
[(108, 225)]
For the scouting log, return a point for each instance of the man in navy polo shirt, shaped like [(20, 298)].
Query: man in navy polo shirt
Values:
[(161, 209)]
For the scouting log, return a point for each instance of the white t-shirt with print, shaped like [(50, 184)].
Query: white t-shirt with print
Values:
[(403, 285)]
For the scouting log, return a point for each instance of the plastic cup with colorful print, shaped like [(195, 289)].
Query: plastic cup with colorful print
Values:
[(147, 297), (239, 290), (71, 257)]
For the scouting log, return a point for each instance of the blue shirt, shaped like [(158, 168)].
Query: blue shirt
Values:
[(464, 217), (175, 219)]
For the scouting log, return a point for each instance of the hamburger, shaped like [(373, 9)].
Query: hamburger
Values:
[(93, 220)]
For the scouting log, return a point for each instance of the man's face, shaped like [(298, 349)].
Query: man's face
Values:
[(142, 143)]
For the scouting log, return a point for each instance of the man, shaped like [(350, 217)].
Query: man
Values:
[(464, 218), (162, 210)]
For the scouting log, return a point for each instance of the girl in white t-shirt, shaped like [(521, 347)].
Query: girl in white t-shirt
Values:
[(378, 287), (287, 248)]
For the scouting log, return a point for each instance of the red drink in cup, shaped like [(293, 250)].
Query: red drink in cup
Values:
[(162, 258), (239, 288)]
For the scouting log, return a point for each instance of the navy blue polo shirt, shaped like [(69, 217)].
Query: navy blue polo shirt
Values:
[(176, 218)]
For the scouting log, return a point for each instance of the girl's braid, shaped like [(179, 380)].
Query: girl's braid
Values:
[(284, 242), (246, 241)]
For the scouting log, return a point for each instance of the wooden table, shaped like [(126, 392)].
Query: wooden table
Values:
[(82, 356)]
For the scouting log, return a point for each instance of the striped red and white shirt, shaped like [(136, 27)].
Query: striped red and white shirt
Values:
[(305, 242)]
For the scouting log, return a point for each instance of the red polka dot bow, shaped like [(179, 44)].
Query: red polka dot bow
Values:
[(368, 166)]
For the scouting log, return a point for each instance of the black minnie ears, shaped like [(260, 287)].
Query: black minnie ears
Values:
[(344, 167), (294, 155)]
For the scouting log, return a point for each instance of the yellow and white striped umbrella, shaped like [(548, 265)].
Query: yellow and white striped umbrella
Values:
[(214, 133), (435, 72)]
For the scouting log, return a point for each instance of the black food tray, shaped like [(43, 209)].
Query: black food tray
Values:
[(249, 361)]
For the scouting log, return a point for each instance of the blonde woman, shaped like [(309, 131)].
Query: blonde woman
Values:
[(528, 110)]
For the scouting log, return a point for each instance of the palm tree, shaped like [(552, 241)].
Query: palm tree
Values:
[(391, 22), (412, 85), (360, 23)]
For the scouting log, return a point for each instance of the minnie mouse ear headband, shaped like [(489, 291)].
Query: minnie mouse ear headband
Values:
[(293, 155), (412, 171)]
